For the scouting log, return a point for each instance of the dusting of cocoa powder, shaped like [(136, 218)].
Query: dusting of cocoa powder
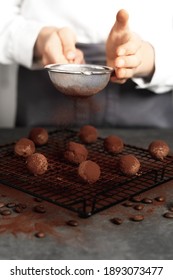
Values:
[(28, 221)]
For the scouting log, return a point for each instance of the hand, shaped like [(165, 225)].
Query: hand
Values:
[(127, 52), (57, 46)]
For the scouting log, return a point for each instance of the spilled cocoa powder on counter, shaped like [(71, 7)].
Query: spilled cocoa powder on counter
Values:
[(37, 218), (41, 219)]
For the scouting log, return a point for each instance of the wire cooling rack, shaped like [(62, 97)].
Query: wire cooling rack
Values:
[(62, 186)]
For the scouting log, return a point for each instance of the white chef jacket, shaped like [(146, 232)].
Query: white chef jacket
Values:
[(91, 20)]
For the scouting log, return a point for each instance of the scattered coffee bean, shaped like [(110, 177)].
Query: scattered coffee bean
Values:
[(137, 218), (11, 205), (22, 205), (171, 208), (160, 198), (6, 212), (117, 221), (136, 199), (168, 215), (40, 234), (72, 223), (18, 209), (2, 204), (39, 209), (147, 200), (128, 204), (139, 207)]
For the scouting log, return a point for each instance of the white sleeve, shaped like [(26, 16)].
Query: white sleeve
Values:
[(17, 34), (162, 42), (162, 80)]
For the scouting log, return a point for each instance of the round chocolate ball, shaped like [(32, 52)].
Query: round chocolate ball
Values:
[(113, 144), (24, 147), (129, 165), (39, 136), (37, 164), (88, 134), (75, 152), (158, 149), (89, 171)]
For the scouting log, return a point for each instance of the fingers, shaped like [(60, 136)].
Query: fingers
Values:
[(130, 61), (68, 40), (53, 52), (79, 57), (118, 81), (59, 47), (122, 75), (125, 68)]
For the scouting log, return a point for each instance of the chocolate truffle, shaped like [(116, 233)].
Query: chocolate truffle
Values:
[(88, 134), (24, 147), (158, 149), (129, 165), (113, 144), (75, 152), (89, 171), (37, 164), (39, 136)]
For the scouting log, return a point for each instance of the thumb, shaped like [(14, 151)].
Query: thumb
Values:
[(68, 41), (122, 18)]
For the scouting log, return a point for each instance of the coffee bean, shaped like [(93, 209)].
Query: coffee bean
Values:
[(137, 218), (72, 223), (160, 198), (117, 221), (128, 204), (40, 234), (22, 205), (168, 215), (39, 209), (6, 212), (171, 208), (136, 199), (18, 209), (2, 204), (139, 207), (147, 200), (11, 205)]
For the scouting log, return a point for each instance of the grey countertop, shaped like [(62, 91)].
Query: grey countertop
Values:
[(95, 237)]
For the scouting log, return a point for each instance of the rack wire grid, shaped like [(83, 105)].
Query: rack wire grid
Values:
[(62, 186)]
